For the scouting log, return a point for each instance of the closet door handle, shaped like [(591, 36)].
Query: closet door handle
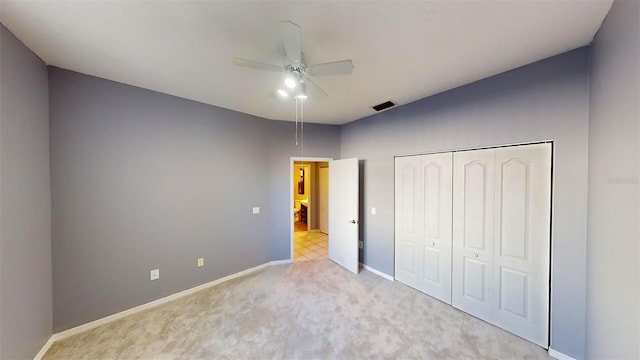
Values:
[(476, 254), (433, 243)]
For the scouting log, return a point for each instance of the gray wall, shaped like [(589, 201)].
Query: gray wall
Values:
[(25, 235), (544, 100), (319, 141), (142, 180), (613, 264)]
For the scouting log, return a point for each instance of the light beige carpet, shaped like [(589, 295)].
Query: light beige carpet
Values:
[(307, 310)]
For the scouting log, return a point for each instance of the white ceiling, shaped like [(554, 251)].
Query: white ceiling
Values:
[(403, 51)]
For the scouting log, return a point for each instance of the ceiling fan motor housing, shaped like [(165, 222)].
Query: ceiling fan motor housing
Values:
[(297, 70)]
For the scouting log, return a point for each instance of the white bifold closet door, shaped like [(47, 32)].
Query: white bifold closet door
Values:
[(501, 237), (473, 202), (423, 223)]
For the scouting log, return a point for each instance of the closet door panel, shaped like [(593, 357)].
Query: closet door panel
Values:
[(432, 264), (473, 212), (436, 222), (475, 204), (423, 223), (474, 275), (522, 240), (408, 256)]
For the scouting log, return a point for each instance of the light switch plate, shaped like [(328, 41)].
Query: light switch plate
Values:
[(373, 211), (155, 274), (256, 210), (200, 262)]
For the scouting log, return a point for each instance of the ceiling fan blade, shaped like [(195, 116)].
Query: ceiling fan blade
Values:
[(255, 64), (342, 67), (314, 90), (292, 42)]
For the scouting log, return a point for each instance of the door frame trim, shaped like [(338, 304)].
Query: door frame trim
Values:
[(551, 141), (292, 159)]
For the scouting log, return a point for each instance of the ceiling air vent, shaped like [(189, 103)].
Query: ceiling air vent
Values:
[(384, 105)]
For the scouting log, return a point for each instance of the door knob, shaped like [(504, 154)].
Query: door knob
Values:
[(353, 221), (476, 254), (433, 244)]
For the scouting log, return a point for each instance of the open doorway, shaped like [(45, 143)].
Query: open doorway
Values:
[(310, 208)]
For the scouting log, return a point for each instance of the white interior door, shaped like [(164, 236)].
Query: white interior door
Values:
[(436, 171), (323, 198), (473, 213), (501, 237), (343, 213), (423, 223), (522, 240), (407, 229)]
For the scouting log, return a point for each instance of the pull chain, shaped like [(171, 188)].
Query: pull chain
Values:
[(296, 121), (302, 127), (300, 110)]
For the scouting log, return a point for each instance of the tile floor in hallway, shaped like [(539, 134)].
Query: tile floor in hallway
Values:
[(310, 245)]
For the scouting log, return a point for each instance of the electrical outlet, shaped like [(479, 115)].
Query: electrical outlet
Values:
[(256, 210), (361, 244), (200, 262), (373, 211), (155, 274)]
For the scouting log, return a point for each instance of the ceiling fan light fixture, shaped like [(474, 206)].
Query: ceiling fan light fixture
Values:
[(290, 82), (283, 93)]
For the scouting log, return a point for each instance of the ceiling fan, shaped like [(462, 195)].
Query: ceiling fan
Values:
[(297, 78)]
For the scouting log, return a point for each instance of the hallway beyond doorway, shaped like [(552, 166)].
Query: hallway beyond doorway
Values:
[(310, 245), (310, 208)]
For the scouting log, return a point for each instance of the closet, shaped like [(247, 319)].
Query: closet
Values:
[(473, 230)]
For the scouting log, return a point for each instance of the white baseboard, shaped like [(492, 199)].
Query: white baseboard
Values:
[(44, 349), (558, 355), (377, 272), (105, 320), (280, 262)]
